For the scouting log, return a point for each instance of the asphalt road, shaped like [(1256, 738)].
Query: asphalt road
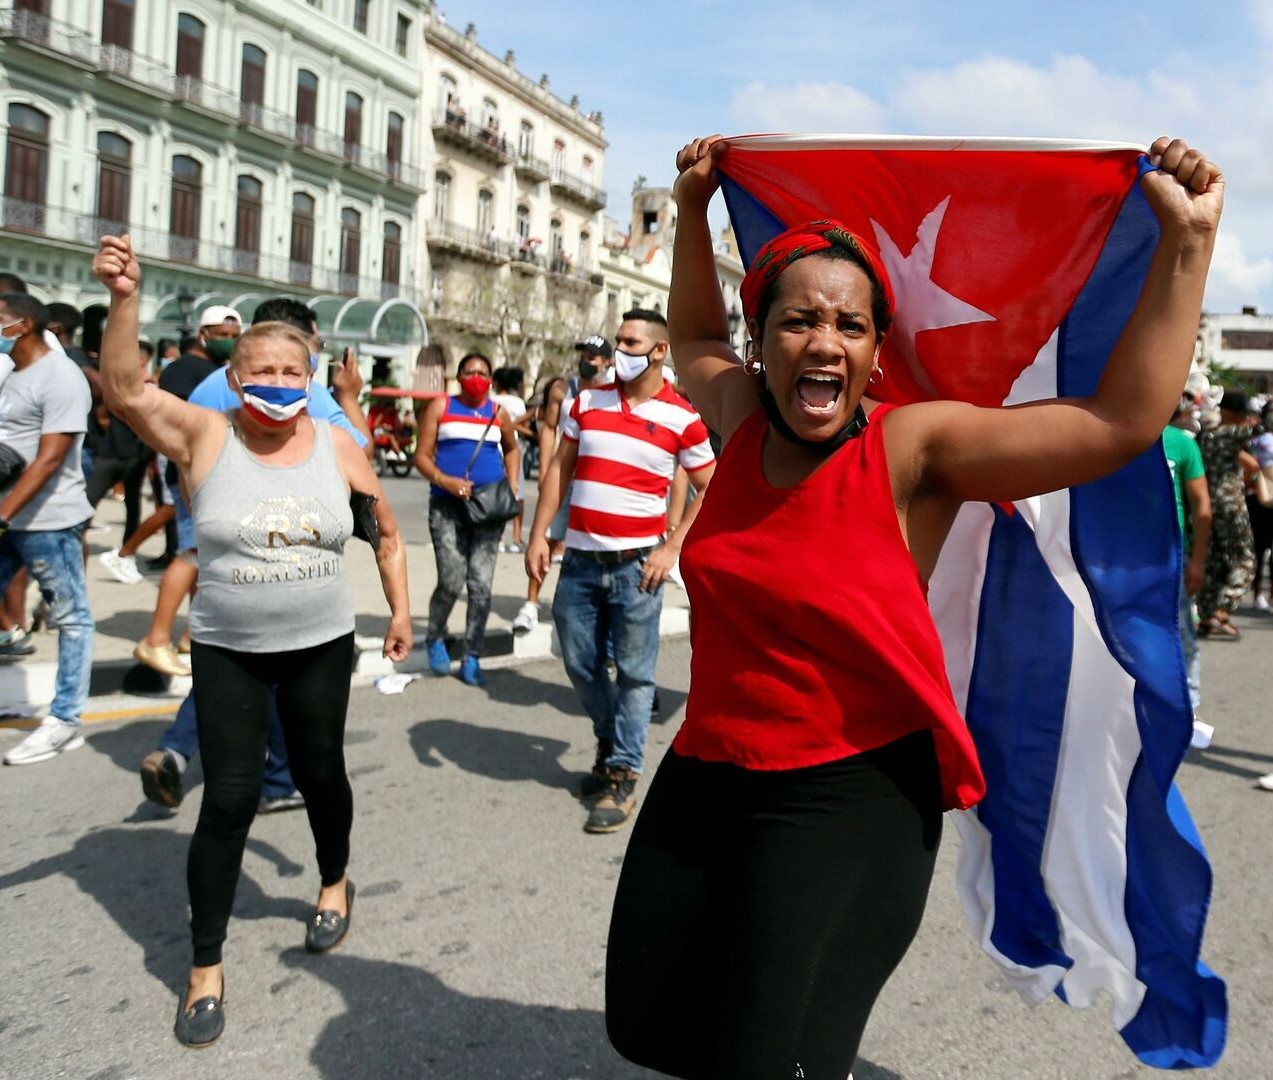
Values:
[(478, 943)]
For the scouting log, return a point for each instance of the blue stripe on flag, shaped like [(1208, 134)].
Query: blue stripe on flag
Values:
[(1123, 533), (1024, 643), (754, 223)]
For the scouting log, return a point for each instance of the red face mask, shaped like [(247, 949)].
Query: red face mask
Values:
[(475, 386)]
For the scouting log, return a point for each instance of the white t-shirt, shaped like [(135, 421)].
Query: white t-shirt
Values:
[(50, 397), (511, 404)]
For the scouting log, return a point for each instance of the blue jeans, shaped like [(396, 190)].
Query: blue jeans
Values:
[(182, 737), (1189, 642), (56, 561), (596, 603)]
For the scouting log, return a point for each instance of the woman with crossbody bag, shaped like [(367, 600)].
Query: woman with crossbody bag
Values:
[(466, 447)]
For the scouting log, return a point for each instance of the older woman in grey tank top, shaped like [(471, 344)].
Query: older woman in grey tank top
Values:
[(274, 616)]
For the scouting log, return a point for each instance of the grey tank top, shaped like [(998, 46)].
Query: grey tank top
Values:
[(271, 545)]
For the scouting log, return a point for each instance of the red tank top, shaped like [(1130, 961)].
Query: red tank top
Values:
[(811, 634)]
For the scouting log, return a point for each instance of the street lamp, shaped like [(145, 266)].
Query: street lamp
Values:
[(734, 317), (185, 305)]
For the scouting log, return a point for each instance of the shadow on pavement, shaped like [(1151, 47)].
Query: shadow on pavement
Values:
[(493, 752), (138, 876), (514, 686), (402, 1021)]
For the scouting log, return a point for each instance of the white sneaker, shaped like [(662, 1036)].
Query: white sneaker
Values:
[(527, 618), (1265, 782), (51, 738), (1201, 737), (1261, 603), (122, 567)]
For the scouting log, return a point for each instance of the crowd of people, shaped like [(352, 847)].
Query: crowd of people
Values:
[(780, 867)]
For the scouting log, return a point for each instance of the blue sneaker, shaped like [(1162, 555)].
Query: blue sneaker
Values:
[(439, 658), (470, 673)]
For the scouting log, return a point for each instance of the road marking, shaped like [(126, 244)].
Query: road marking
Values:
[(165, 708)]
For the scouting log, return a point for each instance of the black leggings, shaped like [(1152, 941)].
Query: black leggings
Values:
[(232, 692), (759, 914)]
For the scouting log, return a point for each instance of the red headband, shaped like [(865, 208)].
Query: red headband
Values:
[(795, 243)]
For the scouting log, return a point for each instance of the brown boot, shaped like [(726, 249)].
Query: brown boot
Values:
[(617, 803), (594, 783)]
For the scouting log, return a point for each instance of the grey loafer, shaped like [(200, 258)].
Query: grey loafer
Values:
[(202, 1023), (328, 928)]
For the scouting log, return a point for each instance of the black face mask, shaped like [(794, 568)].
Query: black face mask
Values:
[(587, 369), (824, 448)]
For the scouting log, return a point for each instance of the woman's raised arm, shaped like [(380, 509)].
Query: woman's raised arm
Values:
[(697, 326), (162, 420)]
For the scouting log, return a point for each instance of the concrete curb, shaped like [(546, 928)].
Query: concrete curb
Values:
[(27, 688)]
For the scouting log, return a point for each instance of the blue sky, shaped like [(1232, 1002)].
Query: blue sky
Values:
[(664, 71)]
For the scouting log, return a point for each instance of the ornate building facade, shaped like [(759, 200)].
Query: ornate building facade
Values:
[(250, 147), (512, 219)]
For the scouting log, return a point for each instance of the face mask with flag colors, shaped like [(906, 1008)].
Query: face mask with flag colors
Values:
[(274, 404)]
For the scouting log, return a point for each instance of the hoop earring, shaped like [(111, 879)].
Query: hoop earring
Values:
[(877, 375), (752, 364)]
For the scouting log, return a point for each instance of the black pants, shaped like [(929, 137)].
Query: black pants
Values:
[(232, 692), (759, 914), (1262, 534), (107, 472)]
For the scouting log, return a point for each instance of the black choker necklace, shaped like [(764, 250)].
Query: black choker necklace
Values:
[(823, 448)]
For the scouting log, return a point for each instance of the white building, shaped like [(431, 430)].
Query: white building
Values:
[(512, 223), (637, 265), (250, 147), (1242, 343)]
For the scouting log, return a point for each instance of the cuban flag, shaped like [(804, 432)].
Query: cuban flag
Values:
[(1015, 265)]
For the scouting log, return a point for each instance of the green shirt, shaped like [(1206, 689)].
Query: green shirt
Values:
[(1184, 459)]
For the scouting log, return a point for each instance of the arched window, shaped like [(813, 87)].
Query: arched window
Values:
[(587, 169), (247, 225), (490, 114), (523, 226), (350, 249), (559, 158), (252, 77), (441, 197), (353, 125), (306, 106), (190, 32), (485, 212), (449, 96), (184, 214), (114, 181), (394, 136), (585, 243), (26, 169), (302, 251), (117, 23), (391, 259), (526, 140)]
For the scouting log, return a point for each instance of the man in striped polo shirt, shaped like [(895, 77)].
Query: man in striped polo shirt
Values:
[(620, 445)]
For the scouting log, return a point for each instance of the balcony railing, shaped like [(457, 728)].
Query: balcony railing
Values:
[(488, 246), (564, 269), (57, 37), (533, 168), (563, 183), (452, 126), (157, 245)]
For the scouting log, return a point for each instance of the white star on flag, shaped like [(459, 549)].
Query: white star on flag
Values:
[(922, 304)]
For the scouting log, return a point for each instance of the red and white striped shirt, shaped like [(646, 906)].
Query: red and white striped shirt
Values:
[(627, 457)]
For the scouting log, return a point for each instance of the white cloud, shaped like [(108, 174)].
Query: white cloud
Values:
[(1236, 279), (1227, 115), (824, 106)]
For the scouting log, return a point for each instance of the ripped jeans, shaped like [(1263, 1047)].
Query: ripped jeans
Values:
[(56, 560)]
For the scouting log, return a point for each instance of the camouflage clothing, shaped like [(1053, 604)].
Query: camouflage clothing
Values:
[(1231, 553)]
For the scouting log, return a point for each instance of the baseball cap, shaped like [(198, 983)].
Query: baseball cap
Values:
[(217, 314), (596, 346)]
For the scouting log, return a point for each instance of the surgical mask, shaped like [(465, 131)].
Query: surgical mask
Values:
[(628, 366), (275, 405), (219, 349), (7, 343), (313, 361)]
